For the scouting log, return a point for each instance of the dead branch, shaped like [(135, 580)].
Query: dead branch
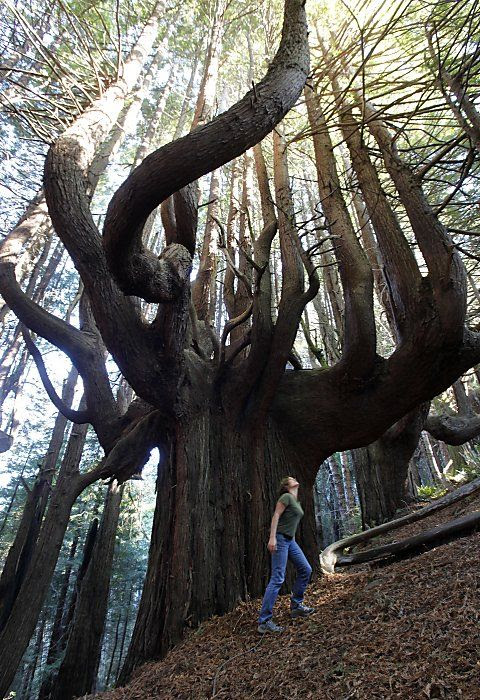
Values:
[(330, 555), (441, 534)]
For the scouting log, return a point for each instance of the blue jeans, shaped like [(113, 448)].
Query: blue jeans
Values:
[(286, 549)]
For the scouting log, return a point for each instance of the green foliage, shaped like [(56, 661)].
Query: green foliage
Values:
[(471, 467), (431, 491)]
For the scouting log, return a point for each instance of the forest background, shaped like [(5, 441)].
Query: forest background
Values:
[(317, 226)]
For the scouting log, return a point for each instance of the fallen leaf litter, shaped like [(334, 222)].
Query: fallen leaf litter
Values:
[(406, 631)]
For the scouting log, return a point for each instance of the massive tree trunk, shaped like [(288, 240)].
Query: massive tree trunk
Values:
[(216, 493), (229, 429)]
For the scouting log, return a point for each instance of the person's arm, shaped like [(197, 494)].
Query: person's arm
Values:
[(272, 542)]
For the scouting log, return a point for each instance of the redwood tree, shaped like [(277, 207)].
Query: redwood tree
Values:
[(228, 418)]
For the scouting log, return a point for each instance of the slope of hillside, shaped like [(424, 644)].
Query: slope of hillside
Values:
[(399, 632)]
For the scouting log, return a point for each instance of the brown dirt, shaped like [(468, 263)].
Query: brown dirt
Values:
[(407, 631)]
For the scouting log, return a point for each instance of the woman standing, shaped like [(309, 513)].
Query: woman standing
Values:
[(282, 546)]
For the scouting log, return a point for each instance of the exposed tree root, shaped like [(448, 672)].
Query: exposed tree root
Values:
[(334, 555)]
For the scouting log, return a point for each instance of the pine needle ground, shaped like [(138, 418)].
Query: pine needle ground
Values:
[(406, 631)]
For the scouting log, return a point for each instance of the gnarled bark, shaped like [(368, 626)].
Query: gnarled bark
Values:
[(381, 468), (454, 430), (211, 524)]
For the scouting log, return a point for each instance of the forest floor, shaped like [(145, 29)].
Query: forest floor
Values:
[(406, 631)]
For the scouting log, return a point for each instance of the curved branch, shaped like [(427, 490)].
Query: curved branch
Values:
[(236, 348), (230, 325), (80, 346), (331, 555), (66, 337), (454, 430), (401, 269), (71, 414), (186, 217), (303, 398), (132, 450), (262, 321), (68, 194), (441, 534), (445, 267), (170, 168), (359, 337), (293, 297)]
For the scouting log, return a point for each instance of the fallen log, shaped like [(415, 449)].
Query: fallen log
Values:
[(331, 554), (441, 534)]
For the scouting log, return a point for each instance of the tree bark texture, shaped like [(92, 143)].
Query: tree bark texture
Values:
[(22, 549), (216, 494), (381, 469), (23, 618), (79, 666), (58, 626)]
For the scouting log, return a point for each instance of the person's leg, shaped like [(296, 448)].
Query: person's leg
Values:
[(304, 571), (279, 565)]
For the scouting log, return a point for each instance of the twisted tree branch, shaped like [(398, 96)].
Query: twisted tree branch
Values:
[(170, 168), (71, 414)]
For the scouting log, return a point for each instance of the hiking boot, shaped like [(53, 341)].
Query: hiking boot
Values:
[(269, 626), (301, 610)]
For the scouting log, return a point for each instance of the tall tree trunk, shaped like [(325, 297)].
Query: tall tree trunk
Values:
[(58, 627), (202, 287), (26, 610), (210, 527), (381, 469), (26, 692), (339, 492), (14, 493), (349, 492), (79, 667), (205, 107), (204, 112), (124, 633), (23, 547), (188, 94), (113, 649)]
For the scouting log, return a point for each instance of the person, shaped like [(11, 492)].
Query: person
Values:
[(282, 546)]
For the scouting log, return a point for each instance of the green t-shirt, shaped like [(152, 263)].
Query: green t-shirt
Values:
[(291, 516)]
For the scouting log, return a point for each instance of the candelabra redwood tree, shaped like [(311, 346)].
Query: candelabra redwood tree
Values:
[(228, 419)]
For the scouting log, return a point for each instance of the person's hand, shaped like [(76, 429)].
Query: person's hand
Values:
[(272, 544)]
